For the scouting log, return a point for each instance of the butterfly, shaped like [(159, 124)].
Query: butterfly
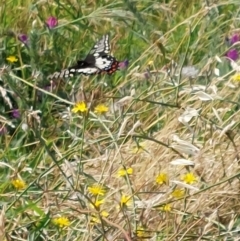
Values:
[(97, 61)]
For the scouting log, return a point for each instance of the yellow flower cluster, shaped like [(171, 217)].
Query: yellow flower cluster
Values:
[(162, 178), (18, 184), (125, 201), (61, 222), (97, 190), (12, 59), (189, 178), (124, 172), (82, 107)]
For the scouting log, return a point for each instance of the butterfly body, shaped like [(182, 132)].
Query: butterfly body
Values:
[(97, 61)]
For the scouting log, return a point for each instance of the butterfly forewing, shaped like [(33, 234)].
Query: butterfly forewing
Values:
[(101, 48)]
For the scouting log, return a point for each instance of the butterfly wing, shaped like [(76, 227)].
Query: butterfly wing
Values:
[(101, 48), (84, 67), (90, 65), (102, 58), (97, 61)]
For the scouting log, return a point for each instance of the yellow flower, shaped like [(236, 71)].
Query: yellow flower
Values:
[(162, 178), (166, 208), (178, 193), (96, 220), (101, 109), (189, 178), (140, 148), (123, 172), (125, 200), (80, 107), (236, 77), (104, 214), (150, 62), (96, 190), (140, 232), (12, 59), (61, 222), (97, 203), (18, 184)]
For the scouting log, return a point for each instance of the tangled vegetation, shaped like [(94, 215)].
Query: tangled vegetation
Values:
[(150, 152)]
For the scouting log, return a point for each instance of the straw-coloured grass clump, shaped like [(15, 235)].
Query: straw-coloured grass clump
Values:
[(119, 120)]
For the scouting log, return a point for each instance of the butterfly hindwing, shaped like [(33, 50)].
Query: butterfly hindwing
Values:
[(101, 51)]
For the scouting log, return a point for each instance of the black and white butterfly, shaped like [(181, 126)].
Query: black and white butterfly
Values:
[(97, 61)]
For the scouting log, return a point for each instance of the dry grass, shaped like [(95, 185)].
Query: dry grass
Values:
[(176, 103)]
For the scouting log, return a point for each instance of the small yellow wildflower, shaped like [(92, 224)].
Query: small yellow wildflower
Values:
[(150, 62), (97, 203), (166, 208), (178, 193), (104, 214), (11, 59), (189, 178), (162, 178), (80, 107), (139, 148), (96, 190), (124, 172), (18, 184), (101, 109), (61, 222), (236, 77), (140, 233), (125, 200), (95, 220)]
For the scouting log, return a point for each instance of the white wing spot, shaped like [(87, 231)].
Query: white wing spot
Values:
[(104, 63)]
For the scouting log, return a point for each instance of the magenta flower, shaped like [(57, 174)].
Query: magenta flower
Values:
[(23, 38), (15, 113), (235, 38), (232, 54), (52, 22), (123, 65)]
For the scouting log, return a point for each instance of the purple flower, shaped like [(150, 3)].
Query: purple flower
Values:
[(235, 38), (123, 65), (232, 54), (52, 22), (15, 113), (23, 38)]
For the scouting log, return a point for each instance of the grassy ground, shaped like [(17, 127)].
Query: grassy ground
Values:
[(161, 162)]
